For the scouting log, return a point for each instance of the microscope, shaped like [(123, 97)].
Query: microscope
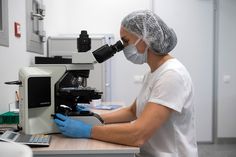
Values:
[(57, 84)]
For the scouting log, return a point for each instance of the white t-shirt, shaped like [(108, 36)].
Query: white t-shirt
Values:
[(171, 86)]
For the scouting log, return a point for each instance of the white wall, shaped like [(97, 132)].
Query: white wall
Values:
[(193, 22), (15, 56), (226, 126), (99, 17)]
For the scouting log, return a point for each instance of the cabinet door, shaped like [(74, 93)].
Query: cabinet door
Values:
[(226, 106), (192, 21), (4, 37), (35, 12)]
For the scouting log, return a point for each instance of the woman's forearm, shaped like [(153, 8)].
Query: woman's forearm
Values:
[(120, 133), (122, 115)]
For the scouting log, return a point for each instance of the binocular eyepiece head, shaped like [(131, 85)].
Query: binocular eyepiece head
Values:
[(101, 54), (105, 52)]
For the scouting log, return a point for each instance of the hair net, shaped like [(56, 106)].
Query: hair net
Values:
[(148, 26)]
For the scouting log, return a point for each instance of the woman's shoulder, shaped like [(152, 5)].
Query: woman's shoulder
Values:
[(172, 68)]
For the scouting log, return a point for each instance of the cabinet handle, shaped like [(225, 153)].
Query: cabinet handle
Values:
[(39, 16)]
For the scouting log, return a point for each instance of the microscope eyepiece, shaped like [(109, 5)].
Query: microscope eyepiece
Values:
[(118, 46), (83, 42), (105, 52)]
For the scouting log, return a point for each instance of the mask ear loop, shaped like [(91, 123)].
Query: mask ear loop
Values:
[(137, 41), (146, 49)]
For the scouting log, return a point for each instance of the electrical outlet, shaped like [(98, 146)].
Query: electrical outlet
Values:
[(138, 78)]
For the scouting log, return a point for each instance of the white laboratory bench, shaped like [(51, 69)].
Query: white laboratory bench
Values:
[(61, 146)]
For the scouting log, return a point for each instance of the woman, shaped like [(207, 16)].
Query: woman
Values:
[(161, 119)]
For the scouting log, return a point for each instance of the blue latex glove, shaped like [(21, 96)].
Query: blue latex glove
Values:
[(82, 108), (72, 128)]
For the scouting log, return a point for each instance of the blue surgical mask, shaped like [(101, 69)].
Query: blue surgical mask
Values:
[(132, 54)]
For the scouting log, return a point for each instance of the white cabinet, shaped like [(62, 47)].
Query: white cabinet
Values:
[(100, 76)]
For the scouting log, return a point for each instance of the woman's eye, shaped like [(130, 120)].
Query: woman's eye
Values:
[(126, 42)]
